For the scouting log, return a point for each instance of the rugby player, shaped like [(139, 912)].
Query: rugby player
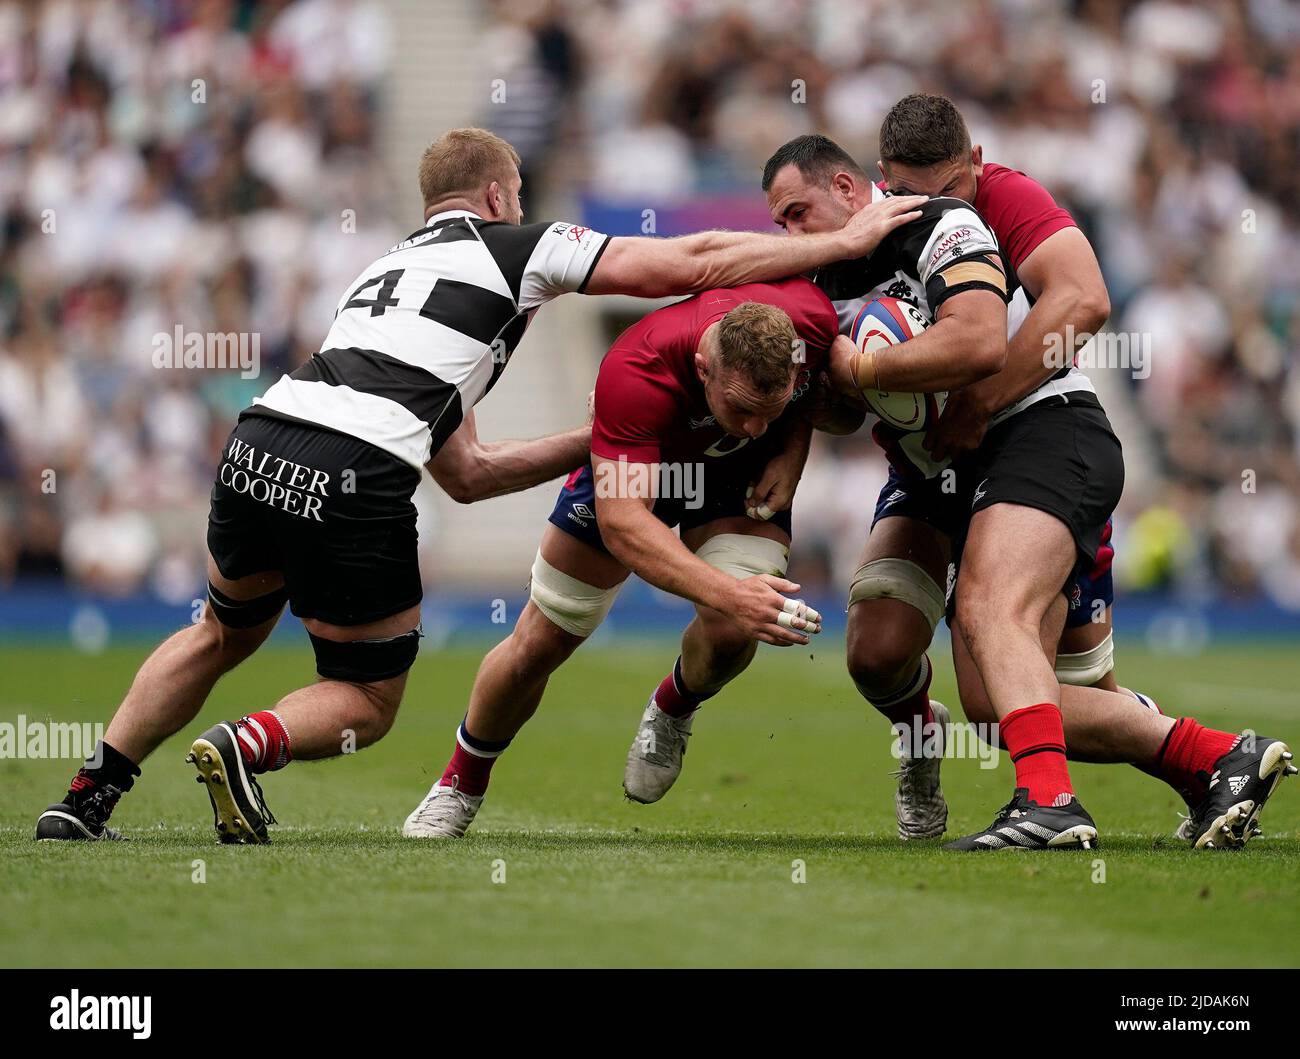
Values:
[(898, 593), (312, 502), (1022, 484), (945, 259), (709, 388)]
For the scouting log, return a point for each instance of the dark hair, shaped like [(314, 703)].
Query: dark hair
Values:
[(921, 130), (817, 157)]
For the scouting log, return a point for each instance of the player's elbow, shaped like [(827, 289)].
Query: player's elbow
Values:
[(1092, 308), (465, 482), (464, 489)]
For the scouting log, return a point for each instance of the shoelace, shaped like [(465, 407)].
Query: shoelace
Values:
[(910, 774), (667, 737), (267, 816), (1005, 812), (98, 807), (426, 813)]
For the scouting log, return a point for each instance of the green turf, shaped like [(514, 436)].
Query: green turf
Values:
[(785, 766)]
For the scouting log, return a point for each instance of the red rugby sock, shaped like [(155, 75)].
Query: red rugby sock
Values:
[(674, 697), (471, 763), (1186, 761), (1035, 738), (263, 741)]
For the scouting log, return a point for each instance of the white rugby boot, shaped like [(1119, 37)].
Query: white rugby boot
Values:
[(919, 804), (444, 813), (654, 761)]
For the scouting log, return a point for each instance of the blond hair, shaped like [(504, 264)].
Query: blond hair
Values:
[(759, 341), (461, 162)]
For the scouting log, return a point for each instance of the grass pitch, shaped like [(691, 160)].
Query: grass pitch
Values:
[(786, 768)]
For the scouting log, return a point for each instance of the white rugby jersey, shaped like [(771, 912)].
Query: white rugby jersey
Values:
[(424, 332), (910, 264)]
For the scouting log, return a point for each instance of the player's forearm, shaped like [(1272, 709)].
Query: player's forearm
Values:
[(953, 352), (728, 259), (496, 468), (655, 554), (1038, 349)]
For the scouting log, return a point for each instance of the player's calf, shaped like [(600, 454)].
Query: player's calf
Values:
[(894, 607)]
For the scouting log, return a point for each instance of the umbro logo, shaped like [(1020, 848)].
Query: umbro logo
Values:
[(582, 511), (1237, 784), (896, 495)]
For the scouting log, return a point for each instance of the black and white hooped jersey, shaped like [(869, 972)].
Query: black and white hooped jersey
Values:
[(947, 250), (424, 332)]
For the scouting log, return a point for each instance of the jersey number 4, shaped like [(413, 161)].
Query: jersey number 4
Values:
[(384, 298)]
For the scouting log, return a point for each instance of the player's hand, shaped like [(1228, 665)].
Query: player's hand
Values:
[(759, 606), (774, 490), (960, 427), (868, 227)]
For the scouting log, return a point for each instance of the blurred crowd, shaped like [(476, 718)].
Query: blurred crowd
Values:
[(206, 162), (212, 161)]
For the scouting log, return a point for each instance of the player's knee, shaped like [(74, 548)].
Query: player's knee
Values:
[(745, 555), (887, 640), (381, 715), (570, 605), (741, 555), (231, 629), (1087, 668), (539, 646), (884, 656)]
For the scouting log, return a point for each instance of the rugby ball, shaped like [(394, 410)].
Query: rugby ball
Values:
[(886, 321)]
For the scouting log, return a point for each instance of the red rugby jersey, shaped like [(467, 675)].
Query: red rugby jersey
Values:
[(650, 405), (1021, 212)]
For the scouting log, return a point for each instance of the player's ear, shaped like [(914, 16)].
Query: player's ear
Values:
[(844, 184), (977, 155), (494, 199), (884, 173), (701, 366)]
